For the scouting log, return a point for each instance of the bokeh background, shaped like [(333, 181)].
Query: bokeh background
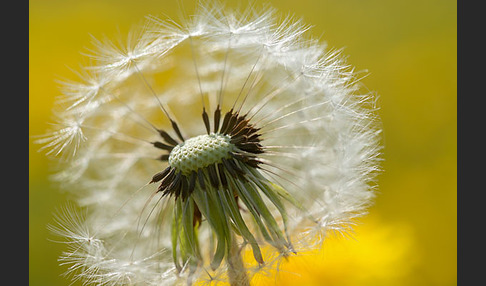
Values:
[(409, 50)]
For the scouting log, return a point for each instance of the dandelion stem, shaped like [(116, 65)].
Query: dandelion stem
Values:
[(236, 269)]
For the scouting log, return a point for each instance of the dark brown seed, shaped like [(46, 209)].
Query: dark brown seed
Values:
[(254, 148), (226, 119), (242, 124), (253, 163), (192, 182), (217, 116), (168, 139), (235, 167), (163, 157), (176, 129), (238, 140), (231, 124), (254, 138), (244, 131), (162, 146), (184, 190), (174, 186), (238, 156), (228, 167), (206, 121), (167, 180), (222, 176), (213, 176), (160, 175), (200, 177), (239, 123)]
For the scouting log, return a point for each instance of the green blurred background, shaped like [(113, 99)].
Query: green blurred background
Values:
[(408, 48)]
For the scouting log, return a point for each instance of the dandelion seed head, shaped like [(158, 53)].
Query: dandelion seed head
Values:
[(189, 141)]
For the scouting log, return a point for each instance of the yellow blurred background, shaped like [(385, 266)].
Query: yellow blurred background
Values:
[(408, 48)]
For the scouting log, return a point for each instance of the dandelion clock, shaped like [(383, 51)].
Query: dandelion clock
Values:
[(209, 150)]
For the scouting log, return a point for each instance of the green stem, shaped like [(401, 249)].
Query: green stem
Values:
[(236, 268)]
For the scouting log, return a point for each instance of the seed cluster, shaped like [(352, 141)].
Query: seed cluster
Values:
[(212, 174), (208, 159)]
